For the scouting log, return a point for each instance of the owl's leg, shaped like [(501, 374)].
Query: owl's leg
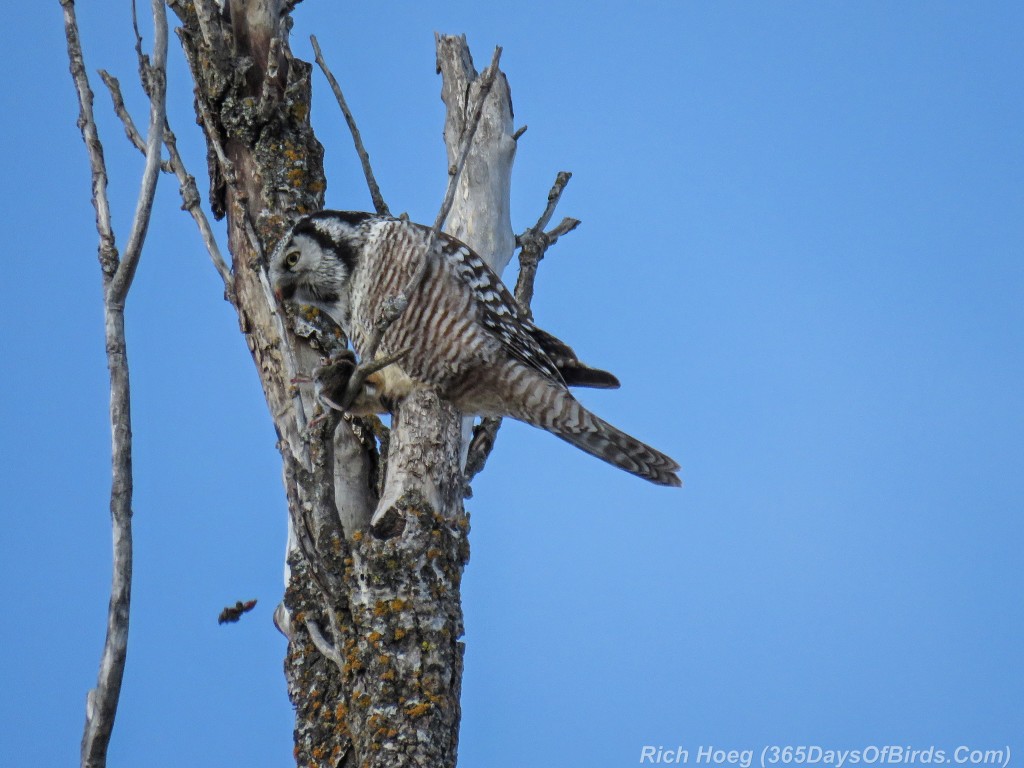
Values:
[(363, 380)]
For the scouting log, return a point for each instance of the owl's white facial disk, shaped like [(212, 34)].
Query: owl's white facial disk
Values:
[(313, 266)]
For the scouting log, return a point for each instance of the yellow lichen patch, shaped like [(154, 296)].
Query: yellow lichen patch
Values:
[(433, 554), (397, 604), (419, 710), (374, 637), (399, 633), (389, 675), (357, 536), (437, 699)]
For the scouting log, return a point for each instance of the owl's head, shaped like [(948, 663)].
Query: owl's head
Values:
[(313, 263)]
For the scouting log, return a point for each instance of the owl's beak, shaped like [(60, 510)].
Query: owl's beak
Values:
[(285, 292)]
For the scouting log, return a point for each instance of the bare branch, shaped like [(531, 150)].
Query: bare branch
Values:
[(191, 202), (126, 119), (102, 701), (364, 158), (564, 227), (156, 77), (534, 242), (139, 55), (186, 182), (554, 195), (87, 123)]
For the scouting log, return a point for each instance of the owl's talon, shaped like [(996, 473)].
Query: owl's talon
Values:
[(364, 371)]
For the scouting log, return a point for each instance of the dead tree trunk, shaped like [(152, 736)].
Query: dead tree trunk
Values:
[(374, 664)]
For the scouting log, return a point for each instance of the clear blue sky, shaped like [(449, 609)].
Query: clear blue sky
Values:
[(802, 252)]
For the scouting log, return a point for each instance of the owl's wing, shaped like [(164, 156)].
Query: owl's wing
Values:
[(574, 373), (497, 309), (499, 313)]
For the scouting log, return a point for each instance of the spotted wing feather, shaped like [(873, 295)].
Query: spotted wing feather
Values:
[(499, 311)]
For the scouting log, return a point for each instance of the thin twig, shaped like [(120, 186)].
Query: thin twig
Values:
[(126, 119), (157, 86), (534, 242), (564, 227), (364, 158), (107, 251), (191, 202)]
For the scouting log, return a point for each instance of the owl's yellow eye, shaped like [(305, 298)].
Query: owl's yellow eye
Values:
[(291, 259)]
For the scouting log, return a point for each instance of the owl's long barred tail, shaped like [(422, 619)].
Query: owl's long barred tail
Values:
[(562, 415)]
